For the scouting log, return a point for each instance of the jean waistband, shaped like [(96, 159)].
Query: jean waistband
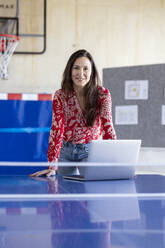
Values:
[(69, 144)]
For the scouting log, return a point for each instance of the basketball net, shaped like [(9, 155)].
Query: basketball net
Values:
[(8, 44)]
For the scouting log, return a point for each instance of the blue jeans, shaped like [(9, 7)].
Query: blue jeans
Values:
[(72, 153)]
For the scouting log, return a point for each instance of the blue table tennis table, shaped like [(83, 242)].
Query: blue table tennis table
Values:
[(57, 213)]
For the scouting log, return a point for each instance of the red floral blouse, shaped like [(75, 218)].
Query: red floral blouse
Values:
[(69, 124)]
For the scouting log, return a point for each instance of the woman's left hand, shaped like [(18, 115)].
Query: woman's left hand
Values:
[(47, 173)]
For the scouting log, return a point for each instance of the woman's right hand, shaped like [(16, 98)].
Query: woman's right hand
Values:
[(48, 172)]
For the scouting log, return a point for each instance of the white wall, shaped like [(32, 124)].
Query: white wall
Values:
[(116, 32)]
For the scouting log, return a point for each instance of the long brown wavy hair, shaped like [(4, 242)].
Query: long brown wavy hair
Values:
[(90, 89)]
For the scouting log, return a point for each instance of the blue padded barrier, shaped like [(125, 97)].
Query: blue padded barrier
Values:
[(24, 130)]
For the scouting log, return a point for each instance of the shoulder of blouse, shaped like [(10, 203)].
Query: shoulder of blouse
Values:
[(58, 93), (102, 91)]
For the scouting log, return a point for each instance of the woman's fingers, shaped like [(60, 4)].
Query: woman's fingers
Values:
[(38, 173), (51, 173), (48, 172)]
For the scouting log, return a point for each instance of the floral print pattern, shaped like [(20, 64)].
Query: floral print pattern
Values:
[(69, 123)]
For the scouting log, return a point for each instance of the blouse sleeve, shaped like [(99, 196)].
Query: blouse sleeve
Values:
[(57, 130), (108, 130)]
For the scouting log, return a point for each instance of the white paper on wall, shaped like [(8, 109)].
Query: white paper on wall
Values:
[(126, 115), (136, 89), (163, 114)]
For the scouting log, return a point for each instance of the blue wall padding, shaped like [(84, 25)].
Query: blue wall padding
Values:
[(18, 113), (24, 130)]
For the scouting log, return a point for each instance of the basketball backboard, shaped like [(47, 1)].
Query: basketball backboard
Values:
[(27, 19)]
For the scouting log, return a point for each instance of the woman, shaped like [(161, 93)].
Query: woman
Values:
[(81, 113)]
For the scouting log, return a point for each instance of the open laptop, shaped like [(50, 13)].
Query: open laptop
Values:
[(109, 159)]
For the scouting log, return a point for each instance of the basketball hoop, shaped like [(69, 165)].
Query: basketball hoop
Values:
[(8, 44)]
